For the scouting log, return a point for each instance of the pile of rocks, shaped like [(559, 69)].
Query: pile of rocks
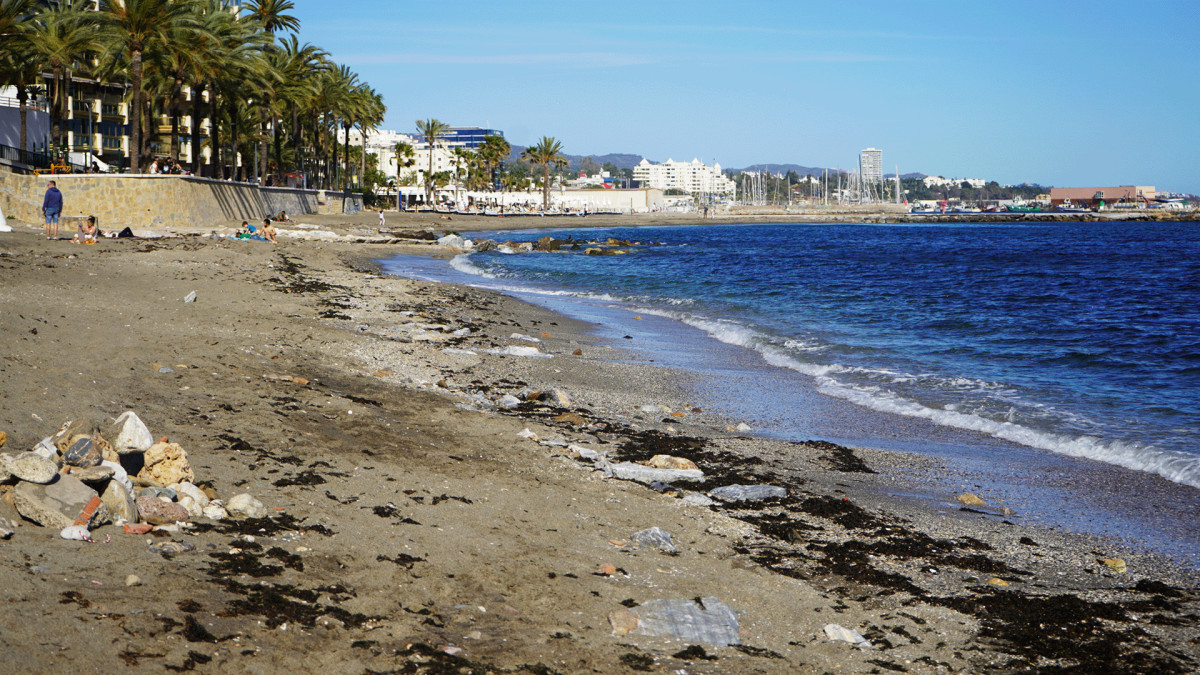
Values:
[(77, 480)]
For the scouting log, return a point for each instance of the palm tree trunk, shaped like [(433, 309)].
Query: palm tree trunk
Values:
[(278, 133), (235, 166), (176, 95), (196, 117), (135, 116), (546, 188), (346, 154), (218, 167), (362, 165), (23, 100)]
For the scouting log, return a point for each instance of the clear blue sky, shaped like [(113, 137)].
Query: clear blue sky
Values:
[(1058, 93)]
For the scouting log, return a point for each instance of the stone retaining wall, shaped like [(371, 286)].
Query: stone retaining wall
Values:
[(150, 202)]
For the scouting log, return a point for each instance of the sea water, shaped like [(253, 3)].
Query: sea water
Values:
[(1019, 343)]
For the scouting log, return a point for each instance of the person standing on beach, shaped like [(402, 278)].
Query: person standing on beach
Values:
[(52, 205), (382, 222)]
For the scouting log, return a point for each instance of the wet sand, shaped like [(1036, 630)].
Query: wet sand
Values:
[(414, 529)]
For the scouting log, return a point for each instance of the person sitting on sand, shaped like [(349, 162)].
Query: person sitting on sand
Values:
[(87, 232), (268, 231), (283, 217), (246, 232)]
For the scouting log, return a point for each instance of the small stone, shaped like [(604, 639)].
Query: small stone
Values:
[(166, 369), (45, 448), (215, 511), (32, 468), (697, 499), (190, 297), (60, 503), (1005, 511), (133, 580), (743, 427), (508, 402), (82, 451), (3, 438), (655, 538), (670, 462), (574, 419), (577, 352), (120, 502), (969, 499), (186, 489), (166, 464), (560, 398), (193, 508), (169, 493), (75, 533), (131, 434), (137, 528), (119, 474), (1115, 564), (7, 527), (93, 475), (171, 548), (623, 621), (997, 581), (246, 506), (607, 569), (158, 512)]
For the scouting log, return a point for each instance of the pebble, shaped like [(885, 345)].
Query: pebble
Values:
[(670, 462), (169, 548), (214, 511), (697, 499), (970, 499), (131, 434), (655, 538), (1115, 564), (740, 493), (76, 533), (83, 451), (169, 493), (133, 580), (245, 505), (997, 581), (93, 474)]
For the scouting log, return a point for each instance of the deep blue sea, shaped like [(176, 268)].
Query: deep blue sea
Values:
[(1073, 339)]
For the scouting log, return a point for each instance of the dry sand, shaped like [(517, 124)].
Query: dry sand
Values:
[(413, 529)]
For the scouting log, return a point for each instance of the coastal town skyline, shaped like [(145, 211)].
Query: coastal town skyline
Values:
[(1007, 92)]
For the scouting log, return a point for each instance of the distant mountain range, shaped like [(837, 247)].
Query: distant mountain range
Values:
[(628, 161)]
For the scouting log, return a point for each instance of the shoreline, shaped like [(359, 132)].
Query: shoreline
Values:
[(397, 430)]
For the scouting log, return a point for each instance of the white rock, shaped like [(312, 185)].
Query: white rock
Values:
[(119, 474), (193, 508), (515, 350), (45, 448), (32, 467), (526, 433), (131, 434), (215, 511), (451, 240), (508, 401), (522, 336), (743, 427), (841, 634), (187, 489), (580, 452), (75, 532), (697, 499), (246, 506), (133, 580), (645, 474)]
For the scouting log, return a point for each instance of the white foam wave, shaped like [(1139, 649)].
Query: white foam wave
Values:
[(1173, 466), (462, 263)]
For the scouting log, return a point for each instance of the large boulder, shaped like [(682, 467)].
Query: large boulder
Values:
[(130, 434), (60, 503), (32, 468), (166, 464), (119, 502)]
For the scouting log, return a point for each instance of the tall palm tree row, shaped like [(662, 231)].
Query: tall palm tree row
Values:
[(432, 129), (219, 64)]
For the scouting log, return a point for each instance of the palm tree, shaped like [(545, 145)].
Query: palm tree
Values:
[(493, 151), (431, 129), (270, 14), (127, 28), (463, 158), (548, 151), (405, 158), (60, 37), (300, 66)]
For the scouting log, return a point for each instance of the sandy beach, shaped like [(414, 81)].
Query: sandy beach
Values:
[(438, 501)]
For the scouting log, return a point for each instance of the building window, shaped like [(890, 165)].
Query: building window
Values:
[(112, 142)]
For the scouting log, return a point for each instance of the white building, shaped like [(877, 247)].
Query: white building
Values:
[(938, 181), (692, 177), (871, 163)]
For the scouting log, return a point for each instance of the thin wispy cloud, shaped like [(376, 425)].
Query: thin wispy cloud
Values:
[(563, 59)]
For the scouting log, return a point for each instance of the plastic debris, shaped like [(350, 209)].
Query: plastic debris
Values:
[(686, 620), (841, 634), (190, 297), (76, 533), (655, 538), (745, 493), (645, 474)]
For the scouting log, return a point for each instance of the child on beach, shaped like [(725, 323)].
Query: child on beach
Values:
[(268, 231)]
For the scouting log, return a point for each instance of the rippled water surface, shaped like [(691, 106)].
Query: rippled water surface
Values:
[(1078, 338)]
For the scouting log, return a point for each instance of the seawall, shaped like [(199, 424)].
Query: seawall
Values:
[(155, 202)]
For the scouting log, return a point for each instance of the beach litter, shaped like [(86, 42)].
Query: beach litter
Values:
[(686, 620), (747, 493), (841, 634), (655, 538), (648, 475)]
